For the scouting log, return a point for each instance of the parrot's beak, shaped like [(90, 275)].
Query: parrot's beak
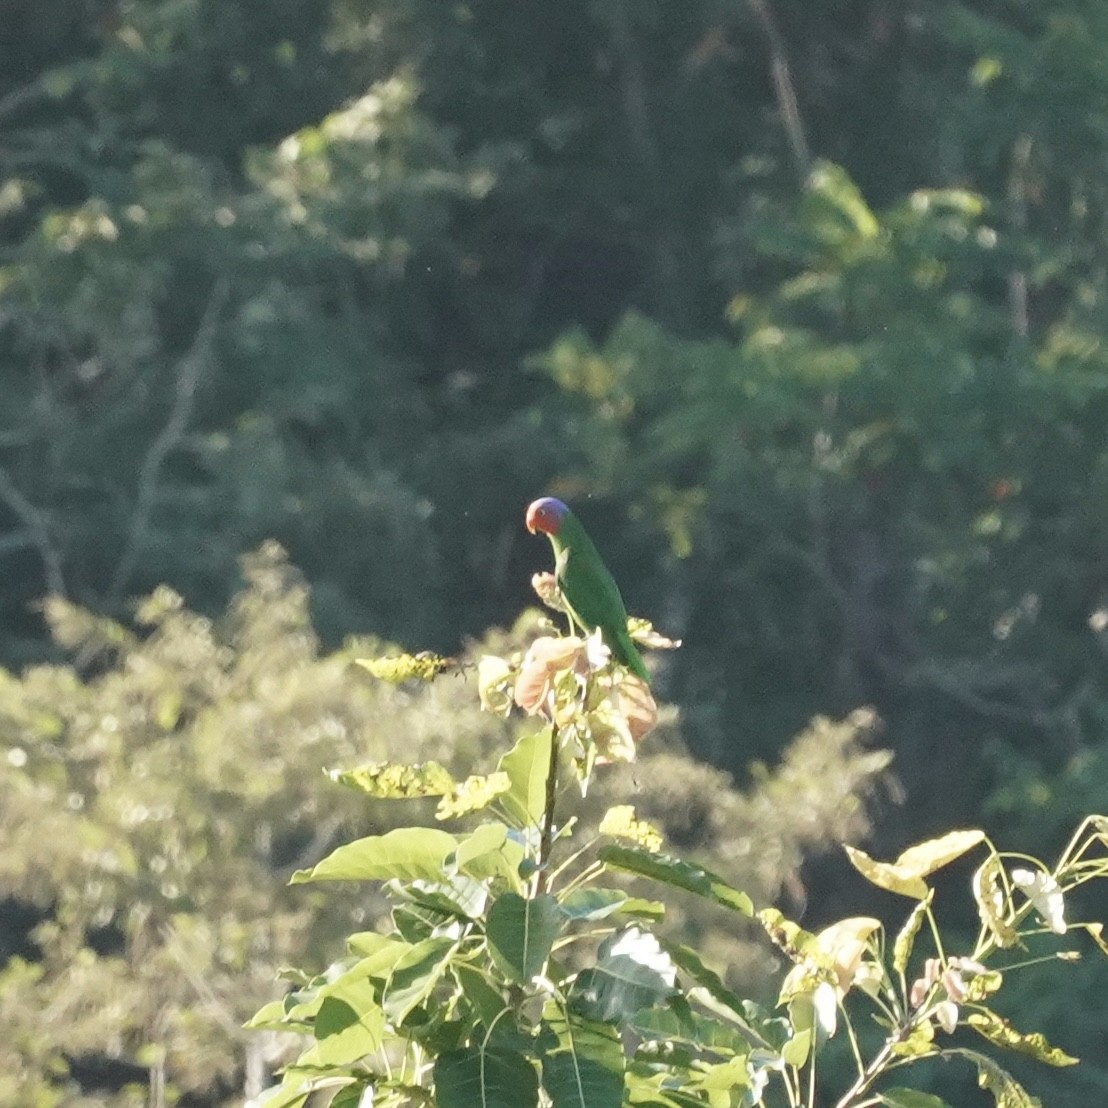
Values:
[(533, 519)]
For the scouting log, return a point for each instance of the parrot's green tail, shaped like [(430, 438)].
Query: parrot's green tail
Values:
[(625, 651)]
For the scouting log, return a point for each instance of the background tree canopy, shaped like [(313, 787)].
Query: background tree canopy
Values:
[(802, 306)]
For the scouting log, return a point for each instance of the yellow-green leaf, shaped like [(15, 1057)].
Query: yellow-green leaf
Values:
[(1000, 1032), (906, 939), (905, 875), (993, 901), (473, 794), (423, 666), (621, 823), (393, 780)]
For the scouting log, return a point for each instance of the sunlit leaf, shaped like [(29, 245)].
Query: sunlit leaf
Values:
[(472, 794), (681, 875), (527, 765), (393, 780), (906, 938), (423, 666), (993, 905), (621, 823), (408, 853), (1000, 1032), (632, 971), (593, 903), (414, 977), (905, 875)]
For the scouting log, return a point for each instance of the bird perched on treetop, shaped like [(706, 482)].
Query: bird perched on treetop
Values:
[(589, 590)]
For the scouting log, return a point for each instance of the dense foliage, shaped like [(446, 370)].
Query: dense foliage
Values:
[(801, 306)]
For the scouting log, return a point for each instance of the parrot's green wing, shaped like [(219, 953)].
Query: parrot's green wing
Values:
[(592, 594)]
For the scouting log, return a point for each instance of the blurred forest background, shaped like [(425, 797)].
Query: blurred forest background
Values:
[(802, 306)]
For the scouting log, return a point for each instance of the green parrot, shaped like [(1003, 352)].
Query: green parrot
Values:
[(590, 591)]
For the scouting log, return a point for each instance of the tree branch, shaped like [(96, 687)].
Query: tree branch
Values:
[(38, 532), (785, 90), (189, 370)]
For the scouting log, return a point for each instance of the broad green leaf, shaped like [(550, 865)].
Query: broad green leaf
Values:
[(490, 852), (723, 1077), (274, 1017), (595, 904), (367, 943), (1001, 1033), (458, 896), (394, 780), (582, 1061), (672, 871), (486, 1002), (631, 972), (414, 977), (527, 765), (521, 932), (491, 1078), (1006, 1090), (408, 853), (296, 1088), (689, 962), (472, 794), (346, 1029), (350, 1097), (906, 939), (592, 903), (678, 1023), (910, 1098), (905, 875)]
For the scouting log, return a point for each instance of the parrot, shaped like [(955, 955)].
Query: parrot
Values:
[(589, 590)]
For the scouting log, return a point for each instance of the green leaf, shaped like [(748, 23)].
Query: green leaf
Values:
[(521, 933), (631, 972), (906, 939), (346, 1029), (905, 875), (678, 1023), (415, 975), (527, 765), (1001, 1033), (490, 1078), (269, 1017), (396, 781), (582, 1061), (408, 853), (672, 871), (486, 1002), (689, 962), (1006, 1090), (490, 852), (910, 1098), (596, 904)]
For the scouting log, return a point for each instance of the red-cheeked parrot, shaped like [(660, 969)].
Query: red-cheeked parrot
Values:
[(589, 590)]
